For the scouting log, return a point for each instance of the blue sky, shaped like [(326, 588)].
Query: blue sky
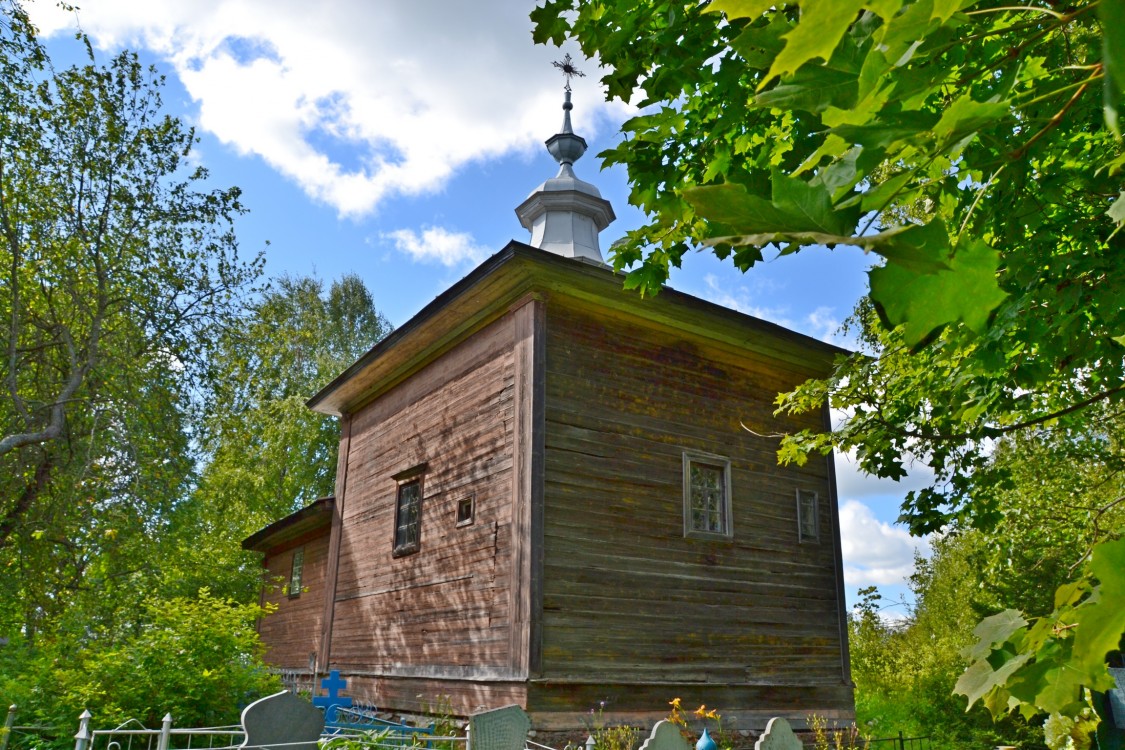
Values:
[(394, 140)]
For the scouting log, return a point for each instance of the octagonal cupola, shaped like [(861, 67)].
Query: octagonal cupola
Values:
[(565, 214)]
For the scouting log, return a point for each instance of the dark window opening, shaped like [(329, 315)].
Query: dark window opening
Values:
[(808, 517), (408, 517), (295, 570), (465, 511)]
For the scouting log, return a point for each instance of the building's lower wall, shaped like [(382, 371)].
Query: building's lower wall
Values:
[(567, 706), (432, 696), (292, 632), (557, 706)]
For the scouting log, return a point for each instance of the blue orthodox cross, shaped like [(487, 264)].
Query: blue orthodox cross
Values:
[(333, 683)]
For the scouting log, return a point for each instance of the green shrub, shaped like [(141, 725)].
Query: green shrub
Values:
[(199, 659)]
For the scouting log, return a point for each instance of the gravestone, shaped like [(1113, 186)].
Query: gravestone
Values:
[(665, 736), (333, 683), (499, 729), (778, 736), (282, 721)]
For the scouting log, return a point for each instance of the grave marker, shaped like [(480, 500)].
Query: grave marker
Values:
[(282, 721), (500, 729), (665, 736), (333, 683), (778, 736)]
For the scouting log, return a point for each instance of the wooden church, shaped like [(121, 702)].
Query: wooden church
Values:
[(547, 495)]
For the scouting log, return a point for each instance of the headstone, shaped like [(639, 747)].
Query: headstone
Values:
[(499, 729), (333, 683), (282, 721), (665, 736), (778, 736)]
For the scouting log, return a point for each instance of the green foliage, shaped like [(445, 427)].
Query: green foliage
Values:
[(443, 722), (975, 148), (1048, 521), (834, 738), (266, 453), (198, 659), (119, 265), (616, 737), (151, 418), (965, 144), (904, 670), (1049, 664), (373, 740), (610, 736)]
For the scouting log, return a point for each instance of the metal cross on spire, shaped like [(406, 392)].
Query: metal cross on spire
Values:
[(568, 69)]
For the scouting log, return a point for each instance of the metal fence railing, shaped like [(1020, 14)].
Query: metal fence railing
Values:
[(14, 735), (899, 743), (132, 735)]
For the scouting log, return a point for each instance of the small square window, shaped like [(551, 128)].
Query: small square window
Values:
[(408, 516), (465, 511), (707, 509), (296, 568), (808, 516)]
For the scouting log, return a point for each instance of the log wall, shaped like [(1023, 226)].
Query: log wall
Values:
[(292, 632), (443, 612), (627, 598)]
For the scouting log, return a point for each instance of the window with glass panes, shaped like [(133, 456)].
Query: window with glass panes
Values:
[(296, 568), (408, 517), (808, 519), (707, 511)]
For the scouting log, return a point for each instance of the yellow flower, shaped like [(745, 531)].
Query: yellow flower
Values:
[(701, 712), (675, 703)]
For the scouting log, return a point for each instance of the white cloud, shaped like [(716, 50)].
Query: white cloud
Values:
[(822, 323), (438, 244), (853, 483), (354, 101), (739, 298), (875, 552)]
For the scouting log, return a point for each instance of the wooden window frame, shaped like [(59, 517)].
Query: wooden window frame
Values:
[(722, 463), (413, 477), (296, 573), (464, 518), (814, 536)]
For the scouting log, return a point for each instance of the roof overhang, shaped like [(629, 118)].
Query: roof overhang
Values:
[(488, 291), (312, 517)]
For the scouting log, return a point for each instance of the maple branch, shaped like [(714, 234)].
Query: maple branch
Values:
[(1046, 11), (1058, 118), (1097, 532), (995, 432)]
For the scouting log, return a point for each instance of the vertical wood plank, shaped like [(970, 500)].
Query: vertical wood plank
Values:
[(834, 510), (527, 317), (324, 654), (538, 473)]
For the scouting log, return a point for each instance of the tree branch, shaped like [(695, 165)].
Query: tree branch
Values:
[(995, 432), (26, 498)]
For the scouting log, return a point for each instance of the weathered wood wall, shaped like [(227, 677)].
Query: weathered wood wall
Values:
[(627, 598), (442, 612), (293, 631)]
